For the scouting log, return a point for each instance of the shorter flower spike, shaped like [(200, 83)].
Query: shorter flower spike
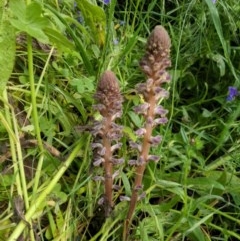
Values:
[(107, 133)]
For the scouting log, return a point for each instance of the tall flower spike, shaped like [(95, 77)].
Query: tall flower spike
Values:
[(107, 132), (153, 64)]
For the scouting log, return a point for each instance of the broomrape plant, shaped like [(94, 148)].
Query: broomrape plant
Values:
[(153, 65), (107, 133)]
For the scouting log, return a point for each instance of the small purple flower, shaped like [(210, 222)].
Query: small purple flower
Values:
[(140, 132), (117, 161), (116, 146), (141, 109), (155, 140), (98, 161), (159, 110), (214, 1), (106, 1), (232, 93), (135, 145), (160, 121), (98, 178), (153, 158)]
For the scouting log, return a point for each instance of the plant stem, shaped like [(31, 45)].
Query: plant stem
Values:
[(141, 168), (34, 112), (108, 168), (42, 196)]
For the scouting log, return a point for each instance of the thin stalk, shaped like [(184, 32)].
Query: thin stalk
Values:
[(22, 173), (141, 168), (42, 196), (12, 141), (34, 113), (108, 169), (17, 157)]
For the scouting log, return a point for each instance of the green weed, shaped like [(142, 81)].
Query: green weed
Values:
[(51, 56)]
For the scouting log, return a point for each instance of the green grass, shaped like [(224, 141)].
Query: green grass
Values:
[(47, 93)]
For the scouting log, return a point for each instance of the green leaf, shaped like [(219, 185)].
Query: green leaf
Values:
[(34, 15), (7, 49), (7, 180), (195, 227), (130, 133), (205, 183), (95, 18), (29, 19), (219, 59), (135, 118), (83, 84), (126, 184), (58, 39), (79, 45)]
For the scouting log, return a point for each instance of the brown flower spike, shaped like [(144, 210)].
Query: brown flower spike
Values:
[(107, 132), (153, 64)]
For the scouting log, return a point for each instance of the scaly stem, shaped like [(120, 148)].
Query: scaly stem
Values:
[(108, 168), (141, 168)]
